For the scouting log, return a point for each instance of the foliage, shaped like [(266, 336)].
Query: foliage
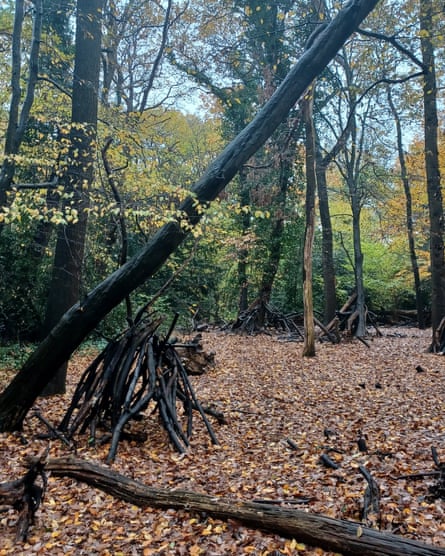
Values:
[(237, 52)]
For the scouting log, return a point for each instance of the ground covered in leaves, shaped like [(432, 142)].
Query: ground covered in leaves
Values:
[(393, 393)]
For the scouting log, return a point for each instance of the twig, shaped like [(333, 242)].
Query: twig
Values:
[(371, 499)]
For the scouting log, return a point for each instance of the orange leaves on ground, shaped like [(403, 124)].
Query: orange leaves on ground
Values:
[(269, 394)]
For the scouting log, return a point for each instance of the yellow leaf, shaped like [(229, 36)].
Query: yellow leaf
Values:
[(207, 530), (359, 531)]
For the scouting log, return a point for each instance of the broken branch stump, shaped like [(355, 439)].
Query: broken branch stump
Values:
[(24, 495)]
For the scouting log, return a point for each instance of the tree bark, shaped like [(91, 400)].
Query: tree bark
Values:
[(243, 280), (275, 241), (18, 119), (409, 213), (435, 203), (330, 534), (327, 245), (66, 278), (80, 320), (311, 188)]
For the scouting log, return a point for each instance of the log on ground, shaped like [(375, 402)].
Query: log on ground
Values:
[(330, 534)]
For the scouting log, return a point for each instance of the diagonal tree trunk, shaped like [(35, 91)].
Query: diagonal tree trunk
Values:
[(81, 319)]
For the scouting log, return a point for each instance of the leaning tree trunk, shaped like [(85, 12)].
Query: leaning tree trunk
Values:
[(81, 319), (64, 289), (435, 204)]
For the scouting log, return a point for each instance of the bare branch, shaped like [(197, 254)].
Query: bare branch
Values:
[(392, 40)]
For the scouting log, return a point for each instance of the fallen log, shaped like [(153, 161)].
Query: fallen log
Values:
[(330, 534)]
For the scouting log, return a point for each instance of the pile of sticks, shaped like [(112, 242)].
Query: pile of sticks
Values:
[(260, 316), (133, 372)]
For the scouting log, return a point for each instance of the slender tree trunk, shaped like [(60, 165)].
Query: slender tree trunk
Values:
[(329, 280), (243, 280), (311, 188), (18, 119), (81, 319), (409, 214), (435, 203), (276, 238), (360, 330), (68, 260)]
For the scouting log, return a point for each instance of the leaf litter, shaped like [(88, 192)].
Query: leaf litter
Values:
[(283, 413)]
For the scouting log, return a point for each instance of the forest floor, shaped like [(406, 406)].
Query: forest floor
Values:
[(269, 394)]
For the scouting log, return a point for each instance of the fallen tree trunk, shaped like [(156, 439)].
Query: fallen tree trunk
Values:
[(346, 537)]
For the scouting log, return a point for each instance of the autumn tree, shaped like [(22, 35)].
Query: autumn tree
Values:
[(255, 63), (20, 105), (68, 259), (410, 230), (311, 188), (425, 60), (78, 321), (136, 37)]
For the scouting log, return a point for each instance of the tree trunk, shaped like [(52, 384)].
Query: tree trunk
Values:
[(435, 204), (360, 330), (68, 259), (330, 534), (243, 281), (18, 119), (311, 188), (275, 242), (81, 319), (329, 280), (409, 214)]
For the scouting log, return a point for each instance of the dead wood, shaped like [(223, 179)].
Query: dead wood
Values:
[(438, 490), (132, 373), (438, 345), (328, 462), (261, 317), (371, 498), (333, 336), (415, 476), (330, 534), (24, 495)]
